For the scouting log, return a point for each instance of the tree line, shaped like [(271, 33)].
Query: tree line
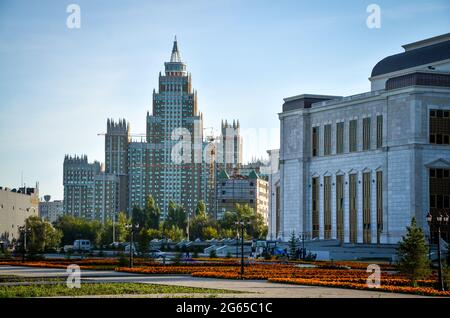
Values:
[(148, 224)]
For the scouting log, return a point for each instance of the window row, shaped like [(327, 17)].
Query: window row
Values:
[(353, 136), (341, 230)]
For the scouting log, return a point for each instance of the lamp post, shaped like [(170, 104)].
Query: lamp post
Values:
[(131, 227), (242, 225), (440, 220), (24, 230), (237, 242)]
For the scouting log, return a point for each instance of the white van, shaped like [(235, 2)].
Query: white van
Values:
[(82, 245)]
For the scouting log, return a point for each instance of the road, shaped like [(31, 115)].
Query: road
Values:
[(247, 288)]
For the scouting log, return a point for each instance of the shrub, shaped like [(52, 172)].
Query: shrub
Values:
[(213, 254)]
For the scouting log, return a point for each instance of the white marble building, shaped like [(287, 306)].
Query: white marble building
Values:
[(358, 168)]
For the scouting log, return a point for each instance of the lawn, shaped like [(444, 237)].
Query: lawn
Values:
[(58, 289)]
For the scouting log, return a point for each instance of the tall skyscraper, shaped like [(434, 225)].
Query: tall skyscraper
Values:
[(231, 147), (175, 119), (117, 139), (78, 183)]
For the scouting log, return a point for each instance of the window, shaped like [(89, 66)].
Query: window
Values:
[(439, 194), (366, 208), (352, 135), (327, 206), (315, 141), (315, 207), (327, 140), (353, 213), (379, 131), (340, 207), (440, 127), (379, 205), (340, 137), (366, 133)]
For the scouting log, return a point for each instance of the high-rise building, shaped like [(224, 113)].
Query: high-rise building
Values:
[(78, 180), (51, 210), (106, 196), (139, 173), (175, 135), (238, 189), (231, 147), (117, 139), (168, 165)]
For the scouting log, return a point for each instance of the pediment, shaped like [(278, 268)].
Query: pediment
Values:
[(439, 163)]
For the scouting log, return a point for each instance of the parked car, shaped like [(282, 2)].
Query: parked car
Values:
[(68, 248), (127, 249), (157, 254), (82, 245)]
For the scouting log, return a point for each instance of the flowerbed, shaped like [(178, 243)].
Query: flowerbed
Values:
[(320, 276), (426, 291)]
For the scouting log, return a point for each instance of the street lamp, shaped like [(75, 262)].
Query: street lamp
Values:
[(440, 220), (24, 231), (131, 227), (242, 225)]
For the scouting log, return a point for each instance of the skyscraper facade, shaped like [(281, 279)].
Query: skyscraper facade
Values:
[(171, 163), (78, 180), (175, 120), (117, 139), (231, 147)]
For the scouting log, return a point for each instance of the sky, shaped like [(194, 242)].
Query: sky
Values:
[(59, 85)]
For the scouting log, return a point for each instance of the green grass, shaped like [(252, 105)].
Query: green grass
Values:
[(42, 290), (19, 279)]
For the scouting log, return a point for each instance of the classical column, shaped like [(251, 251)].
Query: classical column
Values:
[(373, 207), (321, 208), (346, 210), (333, 207), (359, 207)]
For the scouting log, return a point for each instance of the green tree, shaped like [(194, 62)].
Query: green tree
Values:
[(174, 233), (121, 229), (176, 216), (412, 253), (143, 240), (210, 232), (255, 226), (201, 208), (76, 228), (41, 235), (153, 213), (227, 225), (138, 216), (293, 246)]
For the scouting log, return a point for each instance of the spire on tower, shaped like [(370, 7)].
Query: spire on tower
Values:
[(175, 57)]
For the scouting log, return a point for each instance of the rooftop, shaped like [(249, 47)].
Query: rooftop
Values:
[(419, 53)]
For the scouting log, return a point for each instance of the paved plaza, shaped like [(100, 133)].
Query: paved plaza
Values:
[(246, 288)]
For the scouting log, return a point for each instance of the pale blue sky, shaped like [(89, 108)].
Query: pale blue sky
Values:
[(58, 86)]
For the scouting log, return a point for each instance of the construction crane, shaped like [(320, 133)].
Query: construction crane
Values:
[(210, 137)]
